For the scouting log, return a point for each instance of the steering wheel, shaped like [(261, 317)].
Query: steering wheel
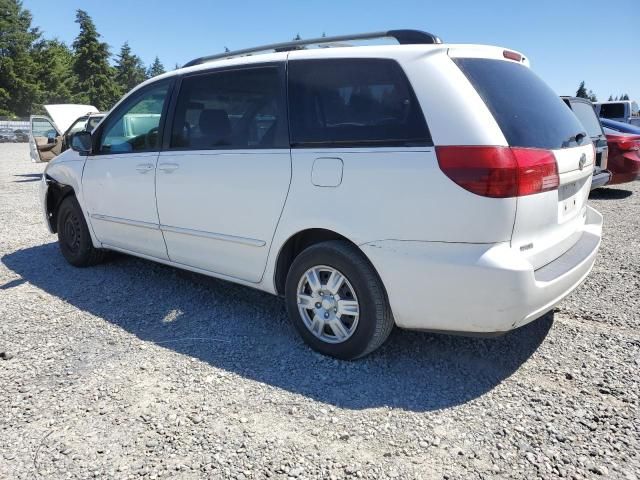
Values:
[(151, 139)]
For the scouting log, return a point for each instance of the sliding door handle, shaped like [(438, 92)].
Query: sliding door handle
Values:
[(144, 167), (168, 167)]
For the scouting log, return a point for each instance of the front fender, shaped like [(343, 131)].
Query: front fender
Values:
[(62, 177)]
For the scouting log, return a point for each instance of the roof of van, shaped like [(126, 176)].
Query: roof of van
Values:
[(386, 51), (399, 52)]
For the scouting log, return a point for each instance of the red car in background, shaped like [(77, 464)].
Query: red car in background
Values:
[(623, 140), (624, 157)]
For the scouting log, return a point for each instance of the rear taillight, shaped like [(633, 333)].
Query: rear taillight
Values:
[(500, 172), (629, 145)]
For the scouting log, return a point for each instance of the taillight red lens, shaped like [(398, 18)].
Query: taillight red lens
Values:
[(500, 172), (629, 145), (537, 171)]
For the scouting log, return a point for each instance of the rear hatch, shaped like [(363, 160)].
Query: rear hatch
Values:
[(533, 118), (583, 109)]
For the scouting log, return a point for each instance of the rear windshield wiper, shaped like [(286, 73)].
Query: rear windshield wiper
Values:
[(577, 138)]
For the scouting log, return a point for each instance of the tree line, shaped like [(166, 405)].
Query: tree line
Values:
[(35, 71), (582, 92)]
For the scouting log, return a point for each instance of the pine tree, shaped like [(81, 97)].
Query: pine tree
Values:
[(96, 84), (625, 97), (129, 69), (610, 98), (56, 80), (155, 69), (582, 91), (18, 81)]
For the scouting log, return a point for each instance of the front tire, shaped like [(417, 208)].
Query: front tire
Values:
[(73, 235), (336, 301)]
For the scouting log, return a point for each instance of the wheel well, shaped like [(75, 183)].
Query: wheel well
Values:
[(55, 194), (296, 244)]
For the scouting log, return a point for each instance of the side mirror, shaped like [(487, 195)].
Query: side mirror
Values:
[(81, 143)]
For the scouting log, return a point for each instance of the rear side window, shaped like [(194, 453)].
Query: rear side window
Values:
[(612, 110), (529, 113), (233, 109), (587, 116), (353, 103)]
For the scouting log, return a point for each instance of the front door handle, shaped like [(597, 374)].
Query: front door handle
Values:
[(144, 167), (168, 167)]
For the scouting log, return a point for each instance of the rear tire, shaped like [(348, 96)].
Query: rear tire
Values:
[(337, 302), (73, 235)]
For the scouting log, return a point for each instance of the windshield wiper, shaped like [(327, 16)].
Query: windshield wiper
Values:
[(577, 138)]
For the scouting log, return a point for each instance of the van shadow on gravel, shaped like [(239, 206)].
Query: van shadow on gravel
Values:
[(245, 331), (610, 194)]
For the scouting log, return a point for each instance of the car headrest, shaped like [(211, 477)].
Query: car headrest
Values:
[(214, 123)]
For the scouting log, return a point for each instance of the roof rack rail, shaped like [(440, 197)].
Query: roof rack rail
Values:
[(404, 37)]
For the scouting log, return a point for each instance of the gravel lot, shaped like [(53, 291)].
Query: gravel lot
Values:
[(133, 369)]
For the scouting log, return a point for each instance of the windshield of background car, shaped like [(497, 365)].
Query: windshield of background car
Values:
[(587, 116), (529, 113), (78, 125), (612, 110), (93, 123)]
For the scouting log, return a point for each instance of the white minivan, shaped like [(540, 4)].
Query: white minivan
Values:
[(429, 186)]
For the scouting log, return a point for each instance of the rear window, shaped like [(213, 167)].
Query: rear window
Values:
[(353, 102), (587, 116), (529, 113), (612, 110)]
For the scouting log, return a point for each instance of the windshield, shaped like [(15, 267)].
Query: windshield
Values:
[(587, 116), (78, 126), (529, 113)]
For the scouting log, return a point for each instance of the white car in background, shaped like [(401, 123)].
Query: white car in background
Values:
[(50, 136), (425, 185)]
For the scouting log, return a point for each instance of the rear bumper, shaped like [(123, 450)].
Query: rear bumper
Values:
[(625, 168), (477, 288), (600, 178)]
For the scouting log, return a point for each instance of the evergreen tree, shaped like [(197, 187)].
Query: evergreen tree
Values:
[(54, 66), (610, 98), (625, 97), (18, 86), (156, 68), (129, 69), (592, 96), (582, 91), (96, 83)]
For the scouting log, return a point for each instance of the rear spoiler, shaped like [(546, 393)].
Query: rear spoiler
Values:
[(482, 51)]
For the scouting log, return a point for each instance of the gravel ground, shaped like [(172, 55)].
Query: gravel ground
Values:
[(133, 369)]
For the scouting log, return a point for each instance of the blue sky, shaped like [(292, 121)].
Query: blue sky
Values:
[(566, 40)]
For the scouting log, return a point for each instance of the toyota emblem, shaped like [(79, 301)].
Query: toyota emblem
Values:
[(583, 161)]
